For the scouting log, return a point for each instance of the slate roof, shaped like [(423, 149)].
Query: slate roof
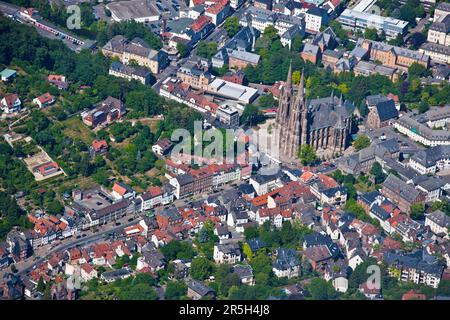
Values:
[(400, 187), (386, 110), (440, 218)]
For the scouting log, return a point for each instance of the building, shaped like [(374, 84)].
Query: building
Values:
[(227, 253), (287, 263), (162, 147), (138, 10), (122, 191), (367, 68), (321, 123), (381, 114), (263, 4), (11, 103), (420, 132), (441, 11), (7, 75), (294, 31), (243, 41), (136, 50), (197, 290), (98, 147), (439, 31), (392, 56), (228, 115), (218, 12), (58, 81), (240, 59), (44, 100), (431, 160), (104, 113), (438, 222), (120, 70), (311, 53), (438, 52), (315, 18), (352, 20), (404, 195)]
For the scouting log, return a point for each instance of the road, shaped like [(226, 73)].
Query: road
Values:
[(26, 266)]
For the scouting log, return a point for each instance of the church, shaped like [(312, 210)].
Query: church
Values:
[(324, 123)]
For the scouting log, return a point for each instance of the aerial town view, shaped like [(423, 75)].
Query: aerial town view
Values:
[(258, 150)]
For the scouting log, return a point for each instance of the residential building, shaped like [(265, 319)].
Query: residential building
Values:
[(315, 18), (227, 253), (104, 113), (218, 11), (438, 222), (120, 70), (228, 115), (438, 52), (287, 263), (136, 50), (401, 193), (197, 290), (44, 100), (431, 160), (162, 147), (11, 103)]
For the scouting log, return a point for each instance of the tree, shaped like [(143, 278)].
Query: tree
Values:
[(397, 41), (417, 211), (297, 43), (201, 268), (371, 34), (320, 289), (251, 115), (444, 288), (41, 285), (307, 154), (183, 49), (361, 142), (231, 26), (423, 106), (377, 172), (416, 70), (175, 290)]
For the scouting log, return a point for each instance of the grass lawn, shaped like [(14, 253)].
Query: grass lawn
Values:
[(76, 129)]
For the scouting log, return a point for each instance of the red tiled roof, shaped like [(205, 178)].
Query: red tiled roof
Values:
[(10, 99), (97, 145), (200, 23), (45, 98)]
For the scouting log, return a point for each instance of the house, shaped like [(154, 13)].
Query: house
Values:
[(370, 291), (218, 11), (287, 263), (245, 274), (263, 4), (153, 259), (151, 198), (11, 103), (87, 272), (431, 186), (413, 295), (58, 81), (438, 222), (162, 147), (197, 290), (111, 276), (7, 75), (317, 256), (122, 191), (98, 147), (168, 217), (104, 113), (222, 232), (227, 253), (401, 193), (294, 31), (44, 100)]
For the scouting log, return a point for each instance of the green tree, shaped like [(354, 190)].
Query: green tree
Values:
[(175, 290), (231, 26), (417, 211), (371, 34), (201, 268), (361, 142), (320, 289), (183, 49), (297, 43), (416, 70), (377, 172), (307, 154), (251, 115)]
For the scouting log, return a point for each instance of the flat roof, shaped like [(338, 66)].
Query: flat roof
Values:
[(134, 9), (233, 90)]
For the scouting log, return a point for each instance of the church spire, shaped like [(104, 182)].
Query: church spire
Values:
[(289, 76), (301, 89), (340, 100)]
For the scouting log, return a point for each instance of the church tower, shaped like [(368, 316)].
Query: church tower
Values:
[(284, 108)]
